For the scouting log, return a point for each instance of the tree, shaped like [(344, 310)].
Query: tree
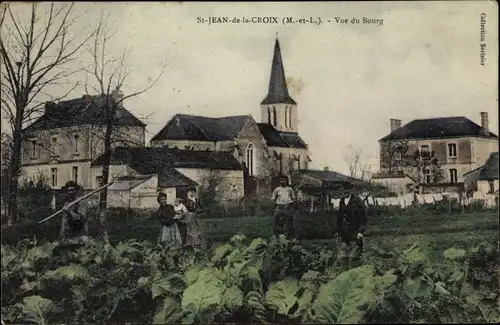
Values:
[(6, 157), (34, 54), (109, 75), (393, 156), (212, 185), (426, 166), (358, 167)]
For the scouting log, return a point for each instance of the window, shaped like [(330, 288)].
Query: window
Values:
[(453, 176), (53, 173), (249, 160), (298, 161), (290, 117), (275, 122), (428, 178), (492, 186), (286, 116), (99, 181), (424, 148), (452, 150), (53, 147), (33, 149), (76, 143), (268, 115), (75, 174)]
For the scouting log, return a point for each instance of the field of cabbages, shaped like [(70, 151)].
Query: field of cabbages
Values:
[(244, 280)]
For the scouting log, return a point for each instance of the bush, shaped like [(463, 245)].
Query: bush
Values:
[(35, 198)]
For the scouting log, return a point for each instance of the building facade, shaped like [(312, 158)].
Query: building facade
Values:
[(268, 148), (457, 144), (62, 143)]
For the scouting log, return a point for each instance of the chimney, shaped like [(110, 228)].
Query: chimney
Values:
[(485, 124), (325, 168), (395, 124)]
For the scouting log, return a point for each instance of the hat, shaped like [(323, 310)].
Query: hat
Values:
[(71, 184), (192, 189)]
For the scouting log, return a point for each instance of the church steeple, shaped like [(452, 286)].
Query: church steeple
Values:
[(278, 90)]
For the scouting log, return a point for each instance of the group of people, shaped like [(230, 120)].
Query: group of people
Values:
[(351, 217), (180, 223)]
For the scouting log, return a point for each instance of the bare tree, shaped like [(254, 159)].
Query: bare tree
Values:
[(358, 167), (6, 158), (35, 54), (109, 76), (394, 156), (426, 165)]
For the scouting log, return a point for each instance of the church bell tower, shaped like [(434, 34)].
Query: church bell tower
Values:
[(278, 108)]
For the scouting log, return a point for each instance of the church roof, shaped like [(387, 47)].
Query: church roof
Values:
[(436, 128), (201, 128), (278, 90), (154, 160), (80, 111), (275, 138)]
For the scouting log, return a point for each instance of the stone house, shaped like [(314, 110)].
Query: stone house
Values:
[(171, 171), (68, 136), (459, 145), (483, 181), (399, 183)]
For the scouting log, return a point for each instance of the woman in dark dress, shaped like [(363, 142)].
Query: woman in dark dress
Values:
[(193, 228), (166, 215)]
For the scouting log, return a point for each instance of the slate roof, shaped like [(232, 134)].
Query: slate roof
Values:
[(443, 127), (202, 128), (326, 176), (275, 138), (153, 160), (173, 178), (127, 183), (489, 171), (278, 90), (80, 111)]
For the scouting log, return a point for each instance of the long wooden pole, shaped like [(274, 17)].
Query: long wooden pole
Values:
[(75, 202)]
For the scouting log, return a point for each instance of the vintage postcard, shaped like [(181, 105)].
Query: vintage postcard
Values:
[(241, 162)]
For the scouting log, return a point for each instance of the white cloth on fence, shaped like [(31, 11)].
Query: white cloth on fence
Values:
[(408, 199), (335, 203), (371, 200), (401, 201), (379, 200), (428, 198), (394, 201), (438, 197), (420, 199)]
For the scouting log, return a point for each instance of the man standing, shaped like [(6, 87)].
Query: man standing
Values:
[(283, 197), (352, 220), (74, 221)]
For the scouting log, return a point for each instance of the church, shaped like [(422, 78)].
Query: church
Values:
[(65, 143), (269, 147)]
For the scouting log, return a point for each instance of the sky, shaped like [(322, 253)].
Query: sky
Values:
[(349, 79)]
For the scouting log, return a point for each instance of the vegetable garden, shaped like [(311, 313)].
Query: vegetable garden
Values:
[(248, 281)]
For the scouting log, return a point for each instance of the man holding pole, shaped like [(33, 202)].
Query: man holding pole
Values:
[(74, 221)]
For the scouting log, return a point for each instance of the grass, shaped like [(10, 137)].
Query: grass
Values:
[(387, 230)]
